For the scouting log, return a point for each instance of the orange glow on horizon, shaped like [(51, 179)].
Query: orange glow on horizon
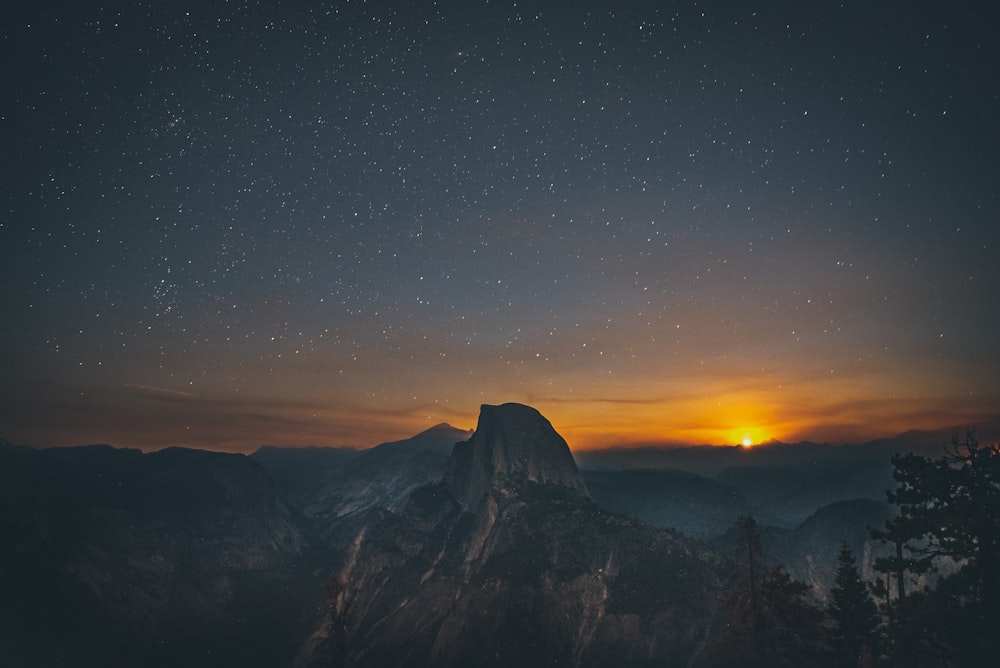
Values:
[(624, 413), (732, 420), (788, 409)]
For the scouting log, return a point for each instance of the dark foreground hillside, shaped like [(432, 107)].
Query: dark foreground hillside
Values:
[(115, 558)]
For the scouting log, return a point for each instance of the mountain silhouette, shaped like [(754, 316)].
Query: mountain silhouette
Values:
[(507, 562), (511, 441)]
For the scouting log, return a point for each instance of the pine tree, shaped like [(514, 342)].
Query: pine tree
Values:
[(853, 636), (771, 622), (792, 626), (949, 513)]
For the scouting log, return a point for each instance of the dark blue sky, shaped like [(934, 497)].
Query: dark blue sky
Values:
[(230, 223)]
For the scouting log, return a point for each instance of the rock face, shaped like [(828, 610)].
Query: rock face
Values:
[(809, 551), (385, 475), (335, 487), (507, 562), (511, 441)]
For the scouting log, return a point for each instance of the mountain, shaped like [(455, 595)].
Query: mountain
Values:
[(333, 487), (450, 548), (707, 508), (668, 498), (809, 551), (710, 460), (785, 495), (507, 562), (385, 475), (299, 474), (179, 557), (780, 484), (511, 441), (705, 460)]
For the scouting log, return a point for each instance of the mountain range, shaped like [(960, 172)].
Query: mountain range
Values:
[(496, 546)]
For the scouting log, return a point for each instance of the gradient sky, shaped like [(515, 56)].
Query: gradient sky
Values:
[(225, 224)]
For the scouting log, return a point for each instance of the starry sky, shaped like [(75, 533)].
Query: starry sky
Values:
[(225, 224)]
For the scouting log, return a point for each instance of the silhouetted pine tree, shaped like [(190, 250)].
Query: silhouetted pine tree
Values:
[(791, 625), (769, 621), (853, 636), (949, 512)]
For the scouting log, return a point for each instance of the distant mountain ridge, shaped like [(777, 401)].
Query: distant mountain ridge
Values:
[(781, 484), (670, 499), (711, 459)]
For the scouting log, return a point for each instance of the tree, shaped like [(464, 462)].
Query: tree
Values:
[(906, 533), (770, 621), (749, 536), (743, 639), (853, 636), (790, 624), (949, 526)]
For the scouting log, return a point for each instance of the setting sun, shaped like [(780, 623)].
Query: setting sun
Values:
[(747, 442)]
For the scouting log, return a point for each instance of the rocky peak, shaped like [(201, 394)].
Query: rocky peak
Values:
[(512, 441), (439, 438)]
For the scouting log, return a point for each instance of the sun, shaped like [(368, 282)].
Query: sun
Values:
[(747, 442)]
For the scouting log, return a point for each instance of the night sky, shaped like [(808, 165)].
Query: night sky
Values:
[(225, 224)]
